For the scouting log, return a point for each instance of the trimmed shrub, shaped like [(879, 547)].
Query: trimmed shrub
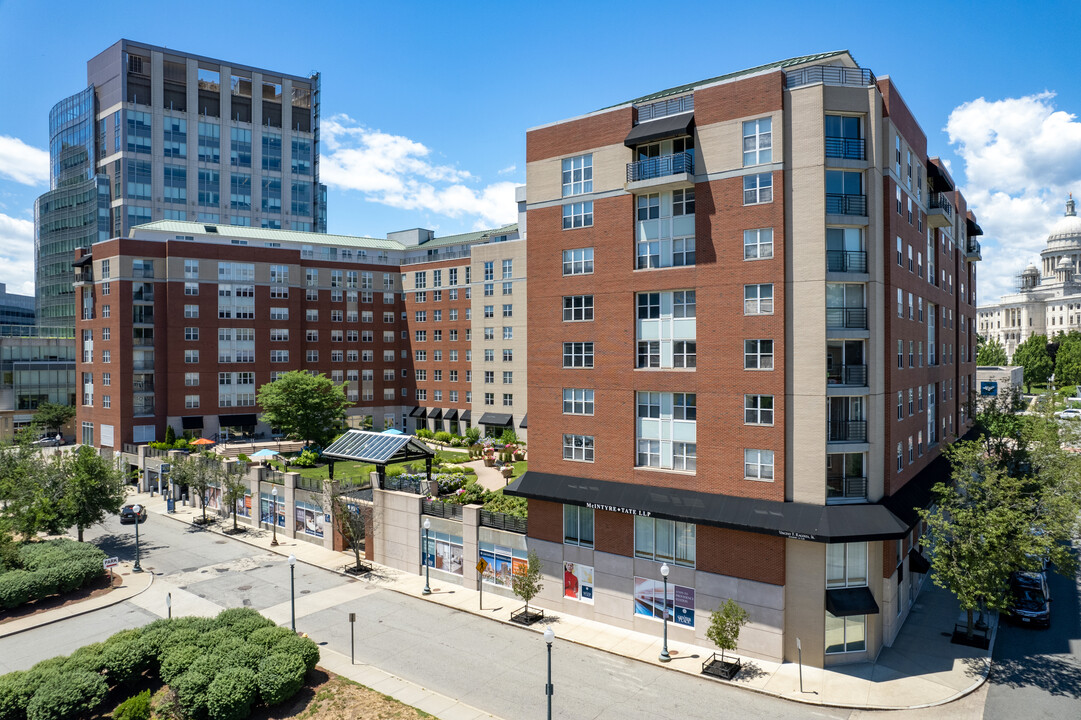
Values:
[(156, 641), (242, 621), (136, 707), (126, 660), (190, 689), (48, 568), (280, 677), (16, 588), (304, 648), (443, 436), (182, 636), (199, 624), (268, 637), (88, 657), (176, 660), (67, 697), (237, 653), (214, 638), (15, 694), (231, 694)]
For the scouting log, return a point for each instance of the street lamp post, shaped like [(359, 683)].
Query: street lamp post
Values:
[(274, 517), (138, 510), (169, 604), (292, 592), (665, 657), (549, 636), (427, 586)]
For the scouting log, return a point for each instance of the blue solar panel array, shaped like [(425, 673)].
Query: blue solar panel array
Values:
[(372, 447)]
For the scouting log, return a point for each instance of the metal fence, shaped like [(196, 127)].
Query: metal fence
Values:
[(410, 485), (440, 509), (502, 521), (830, 75)]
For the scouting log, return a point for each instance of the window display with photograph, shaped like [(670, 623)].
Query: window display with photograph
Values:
[(266, 503), (444, 552), (309, 519), (578, 582), (650, 600), (502, 562)]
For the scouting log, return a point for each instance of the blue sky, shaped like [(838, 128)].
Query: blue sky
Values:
[(425, 105)]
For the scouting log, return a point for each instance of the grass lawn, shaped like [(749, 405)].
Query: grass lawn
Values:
[(354, 469), (520, 467)]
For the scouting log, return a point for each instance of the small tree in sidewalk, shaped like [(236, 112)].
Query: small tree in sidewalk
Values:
[(200, 473), (526, 581), (353, 520), (724, 625), (233, 486)]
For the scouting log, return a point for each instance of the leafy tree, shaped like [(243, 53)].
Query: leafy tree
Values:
[(200, 473), (32, 488), (170, 435), (233, 486), (304, 406), (724, 625), (94, 489), (1032, 355), (980, 527), (352, 520), (526, 581), (991, 353), (1068, 359), (52, 416)]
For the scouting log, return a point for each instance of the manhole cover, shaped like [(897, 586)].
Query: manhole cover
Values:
[(191, 569), (305, 592), (244, 587), (247, 602)]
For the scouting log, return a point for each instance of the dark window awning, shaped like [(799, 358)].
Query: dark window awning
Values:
[(451, 414), (237, 420), (501, 419), (667, 127), (844, 602), (192, 422), (435, 414), (939, 179), (83, 261), (800, 521), (974, 230), (418, 412), (917, 563), (467, 415), (524, 424)]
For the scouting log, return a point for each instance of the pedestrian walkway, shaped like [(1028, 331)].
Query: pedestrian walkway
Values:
[(132, 584), (489, 477), (922, 668)]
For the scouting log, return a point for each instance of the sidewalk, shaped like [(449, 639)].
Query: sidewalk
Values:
[(133, 584), (922, 668)]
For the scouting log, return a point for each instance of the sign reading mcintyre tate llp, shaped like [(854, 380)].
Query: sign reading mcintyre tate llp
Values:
[(616, 509)]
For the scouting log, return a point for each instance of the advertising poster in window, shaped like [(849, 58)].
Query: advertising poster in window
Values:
[(213, 498), (578, 581), (266, 502), (649, 600), (243, 507), (500, 561), (309, 519), (445, 553)]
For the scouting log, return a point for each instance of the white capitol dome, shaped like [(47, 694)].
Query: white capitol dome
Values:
[(1069, 226)]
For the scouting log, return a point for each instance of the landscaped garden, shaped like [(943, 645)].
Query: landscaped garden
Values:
[(31, 572)]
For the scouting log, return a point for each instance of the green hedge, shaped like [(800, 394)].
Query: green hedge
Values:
[(218, 668), (136, 707), (48, 568)]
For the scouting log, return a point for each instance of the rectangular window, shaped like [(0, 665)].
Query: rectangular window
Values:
[(577, 175), (846, 634), (758, 299), (758, 244), (664, 540), (578, 354), (578, 215), (577, 308), (575, 447), (757, 141), (578, 261), (577, 525), (577, 401), (758, 409), (758, 465), (757, 354), (757, 189)]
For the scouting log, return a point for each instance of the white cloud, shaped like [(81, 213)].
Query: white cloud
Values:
[(23, 163), (17, 254), (508, 170), (1021, 158), (396, 171)]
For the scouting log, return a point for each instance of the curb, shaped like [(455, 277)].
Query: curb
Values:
[(85, 611), (761, 691)]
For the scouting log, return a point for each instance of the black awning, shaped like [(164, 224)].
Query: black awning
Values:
[(974, 230), (843, 602), (496, 419), (192, 422), (524, 424), (917, 563), (467, 415), (938, 179), (800, 521), (666, 127), (237, 420), (83, 261), (418, 412), (451, 414), (435, 414)]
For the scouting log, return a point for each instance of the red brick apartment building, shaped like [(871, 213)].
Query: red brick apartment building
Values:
[(182, 322), (795, 205)]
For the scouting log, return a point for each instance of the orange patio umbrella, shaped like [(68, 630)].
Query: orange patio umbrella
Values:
[(202, 441)]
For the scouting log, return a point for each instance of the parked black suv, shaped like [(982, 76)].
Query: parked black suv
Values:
[(1030, 598)]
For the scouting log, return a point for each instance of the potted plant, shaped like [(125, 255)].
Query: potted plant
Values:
[(526, 584), (724, 626), (489, 458), (519, 453)]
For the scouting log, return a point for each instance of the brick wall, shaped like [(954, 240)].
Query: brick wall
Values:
[(741, 554)]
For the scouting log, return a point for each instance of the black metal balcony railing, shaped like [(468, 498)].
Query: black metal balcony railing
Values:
[(854, 261), (846, 148), (848, 431), (838, 204), (973, 247), (851, 318), (830, 75), (848, 488), (663, 108), (848, 375), (142, 386), (938, 201), (660, 166)]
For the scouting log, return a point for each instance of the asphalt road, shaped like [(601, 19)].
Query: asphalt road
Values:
[(496, 667)]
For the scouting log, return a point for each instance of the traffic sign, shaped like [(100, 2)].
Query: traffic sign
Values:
[(482, 565), (110, 562)]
